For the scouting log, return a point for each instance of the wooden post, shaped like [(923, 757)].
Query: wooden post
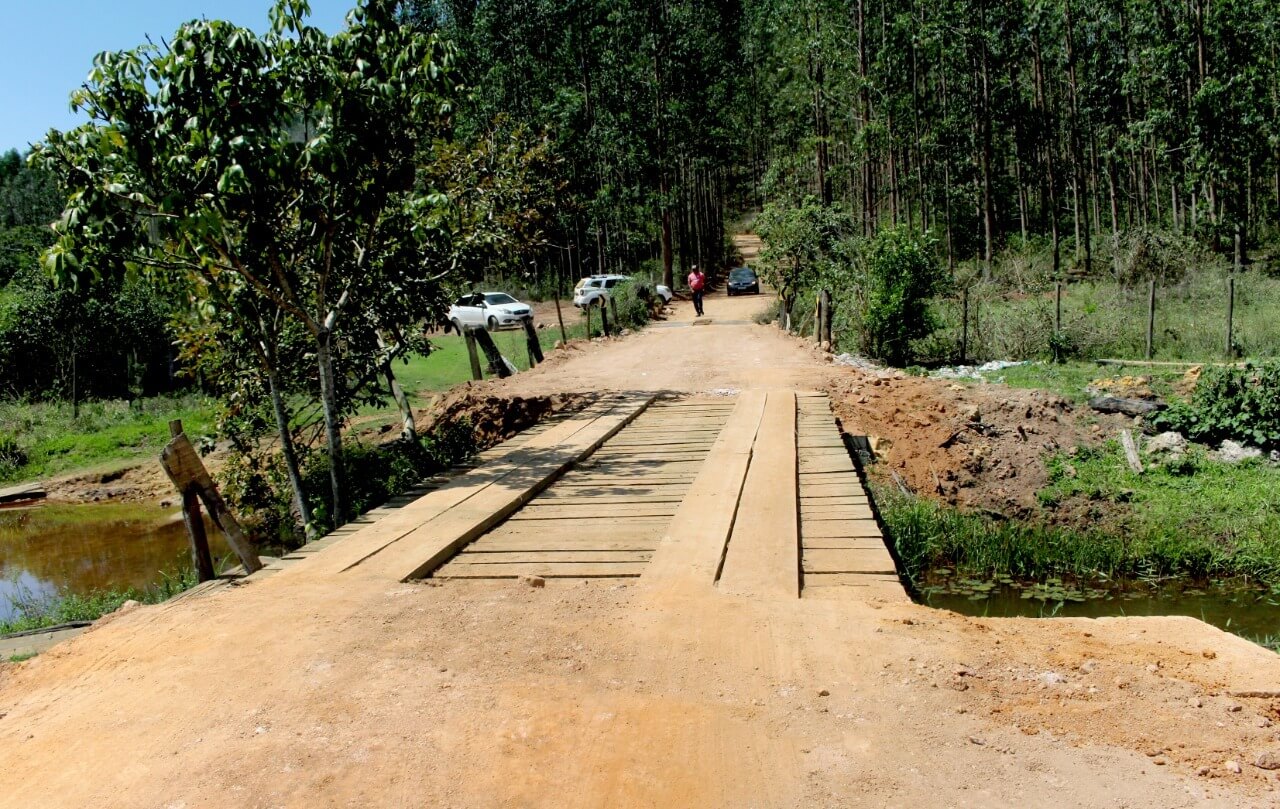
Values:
[(1231, 311), (817, 319), (499, 366), (827, 307), (183, 466), (1057, 316), (472, 353), (586, 311), (964, 324), (604, 319), (564, 334), (531, 342), (201, 559), (1151, 318), (613, 313)]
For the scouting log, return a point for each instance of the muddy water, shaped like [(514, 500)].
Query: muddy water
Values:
[(78, 549), (1247, 611)]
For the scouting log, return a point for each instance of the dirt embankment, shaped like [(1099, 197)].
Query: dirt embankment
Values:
[(977, 446)]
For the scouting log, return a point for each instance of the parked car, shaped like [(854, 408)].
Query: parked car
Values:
[(594, 291), (743, 281), (490, 310)]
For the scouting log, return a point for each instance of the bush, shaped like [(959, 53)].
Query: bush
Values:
[(634, 303), (900, 275), (12, 455), (1237, 403)]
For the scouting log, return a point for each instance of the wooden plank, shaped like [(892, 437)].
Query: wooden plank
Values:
[(547, 570), (570, 499), (859, 543), (762, 557), (693, 545), (618, 511), (558, 543), (836, 512), (838, 528), (186, 470), (23, 493), (826, 464), (851, 487), (854, 587), (523, 556), (848, 560), (430, 528)]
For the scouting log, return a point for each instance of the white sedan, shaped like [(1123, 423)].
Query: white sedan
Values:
[(489, 310)]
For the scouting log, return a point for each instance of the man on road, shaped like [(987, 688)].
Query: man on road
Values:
[(697, 283)]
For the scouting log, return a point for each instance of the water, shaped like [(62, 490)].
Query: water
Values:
[(78, 549), (1243, 609)]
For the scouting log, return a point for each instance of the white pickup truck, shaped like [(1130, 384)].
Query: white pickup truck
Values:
[(596, 289)]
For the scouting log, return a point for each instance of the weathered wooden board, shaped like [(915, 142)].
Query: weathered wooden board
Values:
[(761, 559), (848, 560)]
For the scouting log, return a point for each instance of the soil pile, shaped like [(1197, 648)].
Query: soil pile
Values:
[(979, 446)]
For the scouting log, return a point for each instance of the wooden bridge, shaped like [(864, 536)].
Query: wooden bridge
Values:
[(754, 494)]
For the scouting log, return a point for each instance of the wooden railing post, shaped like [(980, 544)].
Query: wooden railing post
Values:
[(201, 559), (472, 353), (1231, 310), (499, 366), (604, 319), (531, 342), (1151, 319)]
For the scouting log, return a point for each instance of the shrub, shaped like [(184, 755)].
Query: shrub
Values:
[(1237, 403), (900, 274), (634, 303), (12, 456)]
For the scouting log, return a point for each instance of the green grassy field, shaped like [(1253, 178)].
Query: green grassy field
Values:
[(114, 433), (1069, 379)]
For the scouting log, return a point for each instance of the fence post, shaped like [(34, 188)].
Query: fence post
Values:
[(604, 319), (586, 311), (826, 317), (531, 342), (1151, 319), (1231, 310), (191, 518), (499, 366), (472, 353), (564, 335), (964, 324), (817, 319), (613, 312)]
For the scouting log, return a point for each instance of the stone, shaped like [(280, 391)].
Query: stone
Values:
[(1267, 760), (1235, 452), (1052, 678), (1233, 766), (972, 414), (533, 581), (1170, 444), (977, 740), (1196, 702), (824, 693)]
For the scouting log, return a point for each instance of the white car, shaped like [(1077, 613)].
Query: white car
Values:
[(594, 291), (489, 310)]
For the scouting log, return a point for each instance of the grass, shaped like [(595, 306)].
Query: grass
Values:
[(54, 441), (1105, 319), (1196, 519), (114, 433), (38, 613), (20, 658), (1069, 379)]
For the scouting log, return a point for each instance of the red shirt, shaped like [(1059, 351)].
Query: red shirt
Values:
[(697, 280)]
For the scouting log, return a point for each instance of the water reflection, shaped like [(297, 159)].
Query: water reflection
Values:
[(78, 549), (1247, 610)]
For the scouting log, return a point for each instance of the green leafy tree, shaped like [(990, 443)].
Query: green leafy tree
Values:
[(273, 173), (801, 243), (898, 274)]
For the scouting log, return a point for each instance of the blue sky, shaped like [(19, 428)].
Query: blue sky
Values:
[(47, 48)]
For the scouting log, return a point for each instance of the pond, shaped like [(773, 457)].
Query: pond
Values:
[(54, 549), (1241, 608)]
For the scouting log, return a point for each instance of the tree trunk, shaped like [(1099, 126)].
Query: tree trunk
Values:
[(332, 424), (289, 452)]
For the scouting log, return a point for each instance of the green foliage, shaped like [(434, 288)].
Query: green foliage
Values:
[(633, 301), (12, 456), (801, 243), (899, 275), (1158, 533), (51, 440), (62, 608), (1238, 403)]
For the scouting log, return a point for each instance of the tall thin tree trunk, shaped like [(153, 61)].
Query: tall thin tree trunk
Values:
[(332, 424)]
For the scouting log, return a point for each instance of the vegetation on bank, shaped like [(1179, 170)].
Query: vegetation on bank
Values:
[(37, 613), (1193, 518)]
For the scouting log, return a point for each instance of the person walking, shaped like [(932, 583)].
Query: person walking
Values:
[(697, 283)]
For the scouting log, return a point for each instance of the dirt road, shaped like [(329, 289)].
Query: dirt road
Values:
[(309, 691)]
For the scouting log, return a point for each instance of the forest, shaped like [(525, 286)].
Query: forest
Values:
[(274, 217)]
